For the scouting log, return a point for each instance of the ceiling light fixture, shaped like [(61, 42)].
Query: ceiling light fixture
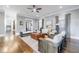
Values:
[(37, 15), (7, 6), (34, 10), (60, 7)]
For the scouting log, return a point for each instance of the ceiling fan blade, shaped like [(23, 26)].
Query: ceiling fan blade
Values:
[(33, 6), (38, 8), (37, 11), (32, 11)]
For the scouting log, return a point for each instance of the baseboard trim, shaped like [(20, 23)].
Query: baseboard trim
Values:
[(74, 37)]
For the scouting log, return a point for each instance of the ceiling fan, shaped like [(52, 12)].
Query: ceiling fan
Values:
[(34, 9)]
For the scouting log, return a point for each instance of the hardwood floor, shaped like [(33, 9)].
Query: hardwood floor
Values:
[(72, 46), (13, 44)]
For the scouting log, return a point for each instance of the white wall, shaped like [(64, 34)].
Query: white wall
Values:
[(22, 28), (62, 22), (35, 24), (2, 23), (10, 16), (49, 21), (75, 24)]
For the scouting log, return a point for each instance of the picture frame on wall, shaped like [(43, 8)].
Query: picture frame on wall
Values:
[(21, 22)]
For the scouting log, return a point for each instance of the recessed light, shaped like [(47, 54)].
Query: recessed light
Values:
[(37, 15), (60, 7), (7, 6)]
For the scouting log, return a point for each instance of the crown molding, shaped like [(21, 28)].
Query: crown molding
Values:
[(58, 12)]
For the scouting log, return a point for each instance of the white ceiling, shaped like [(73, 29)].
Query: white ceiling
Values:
[(46, 9)]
